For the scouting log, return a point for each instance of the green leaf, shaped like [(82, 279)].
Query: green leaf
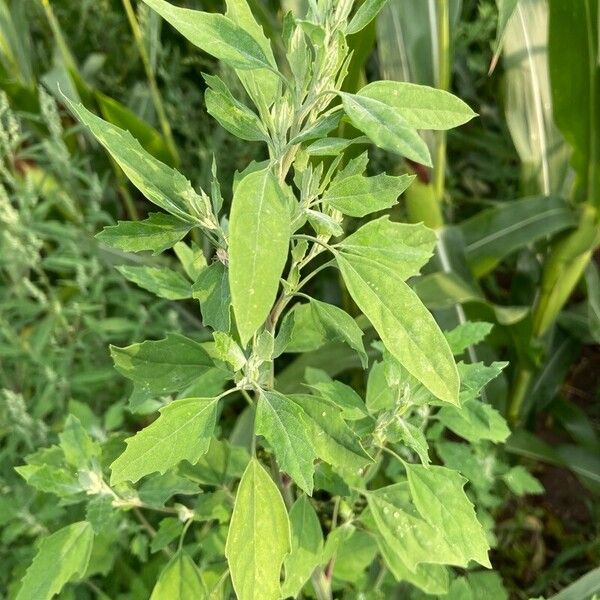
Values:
[(385, 127), (475, 421), (412, 437), (364, 15), (162, 185), (475, 376), (306, 548), (354, 557), (180, 580), (191, 258), (259, 233), (402, 247), (79, 448), (493, 234), (211, 289), (227, 350), (61, 557), (156, 233), (332, 146), (440, 499), (231, 114), (406, 328), (522, 482), (467, 334), (285, 426), (163, 366), (259, 536), (359, 196), (169, 529), (592, 280), (215, 34), (409, 538), (420, 106), (506, 8), (181, 432), (585, 587), (337, 324), (163, 282)]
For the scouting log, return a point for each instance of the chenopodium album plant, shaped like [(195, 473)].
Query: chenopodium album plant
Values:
[(309, 491)]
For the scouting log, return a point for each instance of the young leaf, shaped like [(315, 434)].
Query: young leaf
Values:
[(358, 196), (338, 324), (467, 334), (440, 499), (180, 580), (285, 426), (215, 34), (61, 557), (386, 127), (156, 233), (211, 289), (402, 247), (259, 536), (181, 432), (307, 547), (259, 233), (475, 421), (407, 329), (79, 448), (522, 482), (162, 366), (421, 106), (162, 185), (163, 282), (364, 15)]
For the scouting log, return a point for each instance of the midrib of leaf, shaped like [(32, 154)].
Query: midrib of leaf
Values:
[(514, 227), (257, 234), (537, 103), (389, 311)]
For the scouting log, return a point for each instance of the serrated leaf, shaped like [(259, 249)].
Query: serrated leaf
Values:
[(412, 437), (367, 11), (169, 529), (475, 421), (211, 289), (438, 494), (306, 547), (156, 233), (406, 328), (475, 376), (215, 34), (404, 248), (61, 557), (182, 432), (78, 447), (359, 196), (285, 426), (163, 366), (386, 127), (337, 324), (343, 396), (163, 282), (421, 106), (467, 334), (521, 482), (162, 185), (259, 536), (259, 233), (180, 580)]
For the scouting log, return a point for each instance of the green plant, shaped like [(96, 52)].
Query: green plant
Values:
[(262, 463)]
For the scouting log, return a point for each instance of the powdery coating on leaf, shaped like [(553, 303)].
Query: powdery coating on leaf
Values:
[(405, 326), (182, 432), (161, 281), (259, 536)]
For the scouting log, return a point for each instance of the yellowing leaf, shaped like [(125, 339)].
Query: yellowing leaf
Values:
[(258, 538), (182, 432)]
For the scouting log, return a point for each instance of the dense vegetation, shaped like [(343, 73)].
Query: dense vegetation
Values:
[(299, 299)]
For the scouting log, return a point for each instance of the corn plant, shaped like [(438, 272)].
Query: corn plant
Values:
[(273, 476)]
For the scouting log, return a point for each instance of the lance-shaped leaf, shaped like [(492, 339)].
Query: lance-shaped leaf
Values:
[(180, 580), (211, 289), (421, 106), (386, 127), (307, 546), (440, 499), (403, 247), (259, 536), (406, 327), (61, 557), (338, 324), (156, 233), (163, 282), (259, 233), (364, 15), (162, 185), (162, 366), (413, 540), (285, 426), (215, 34), (358, 196), (182, 432)]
